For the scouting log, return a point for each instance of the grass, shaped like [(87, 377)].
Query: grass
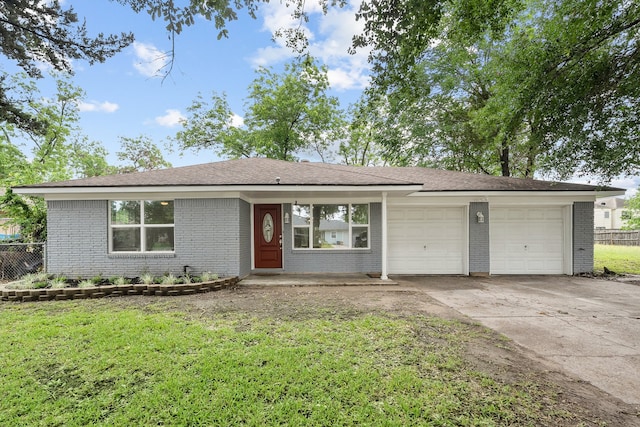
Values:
[(620, 259), (95, 363)]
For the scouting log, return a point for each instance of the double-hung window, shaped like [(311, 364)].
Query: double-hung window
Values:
[(331, 226), (141, 226)]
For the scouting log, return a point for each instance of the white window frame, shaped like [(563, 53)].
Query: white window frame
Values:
[(350, 228), (143, 228)]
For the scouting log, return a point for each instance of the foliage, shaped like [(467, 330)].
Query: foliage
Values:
[(633, 207), (147, 279), (96, 363), (57, 153), (169, 279), (508, 87), (140, 154), (208, 276), (619, 259), (29, 213), (286, 114), (358, 147), (37, 32)]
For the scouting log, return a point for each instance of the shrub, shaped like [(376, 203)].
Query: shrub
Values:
[(169, 279), (59, 282), (120, 281), (147, 279), (208, 276), (86, 284)]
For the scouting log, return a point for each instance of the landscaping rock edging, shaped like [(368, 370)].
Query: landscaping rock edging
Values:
[(27, 295)]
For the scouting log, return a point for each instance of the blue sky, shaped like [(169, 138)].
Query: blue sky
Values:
[(125, 96)]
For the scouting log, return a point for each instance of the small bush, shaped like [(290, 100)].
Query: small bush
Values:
[(147, 279), (59, 282), (120, 281), (86, 284), (208, 276), (169, 279)]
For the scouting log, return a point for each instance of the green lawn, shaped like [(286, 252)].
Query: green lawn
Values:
[(620, 259), (106, 363)]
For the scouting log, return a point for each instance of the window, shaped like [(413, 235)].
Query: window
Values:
[(141, 226), (606, 214), (330, 226)]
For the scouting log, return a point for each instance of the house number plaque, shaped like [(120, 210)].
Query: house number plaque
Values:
[(267, 228)]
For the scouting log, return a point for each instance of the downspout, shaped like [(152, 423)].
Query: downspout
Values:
[(384, 276)]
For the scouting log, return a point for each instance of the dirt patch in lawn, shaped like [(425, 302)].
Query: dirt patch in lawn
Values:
[(572, 402)]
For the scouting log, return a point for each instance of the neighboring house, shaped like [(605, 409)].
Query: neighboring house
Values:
[(610, 213), (244, 216)]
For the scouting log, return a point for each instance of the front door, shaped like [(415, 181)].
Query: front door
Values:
[(267, 232)]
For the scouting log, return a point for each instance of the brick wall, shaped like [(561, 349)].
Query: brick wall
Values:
[(336, 261), (582, 237), (479, 253), (244, 255), (208, 237)]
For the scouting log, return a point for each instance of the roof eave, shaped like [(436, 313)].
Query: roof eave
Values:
[(489, 193), (159, 189)]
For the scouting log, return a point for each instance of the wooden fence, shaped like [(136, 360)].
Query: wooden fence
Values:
[(617, 237)]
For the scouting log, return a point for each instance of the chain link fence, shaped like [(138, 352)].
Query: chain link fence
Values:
[(18, 259)]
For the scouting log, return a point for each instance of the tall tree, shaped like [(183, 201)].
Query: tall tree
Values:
[(29, 157), (32, 32), (359, 146), (140, 154), (557, 88), (287, 114)]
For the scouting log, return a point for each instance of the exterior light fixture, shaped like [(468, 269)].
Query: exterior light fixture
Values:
[(164, 203), (480, 217), (286, 218)]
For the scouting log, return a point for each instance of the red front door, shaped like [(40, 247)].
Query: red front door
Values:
[(267, 232)]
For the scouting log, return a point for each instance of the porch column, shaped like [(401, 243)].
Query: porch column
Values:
[(384, 276)]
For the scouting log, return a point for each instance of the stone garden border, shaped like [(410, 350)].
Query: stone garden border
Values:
[(100, 291)]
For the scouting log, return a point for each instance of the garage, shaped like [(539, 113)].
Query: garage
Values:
[(426, 240), (527, 240)]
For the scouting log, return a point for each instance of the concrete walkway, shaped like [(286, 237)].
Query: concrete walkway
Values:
[(587, 327), (324, 279)]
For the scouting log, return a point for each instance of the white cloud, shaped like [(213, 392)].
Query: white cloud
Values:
[(237, 121), (629, 183), (149, 59), (172, 118), (329, 41), (101, 107), (342, 79)]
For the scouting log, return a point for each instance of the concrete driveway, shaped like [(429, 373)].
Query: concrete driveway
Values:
[(589, 328)]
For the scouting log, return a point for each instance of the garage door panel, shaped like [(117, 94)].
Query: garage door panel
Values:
[(527, 240), (425, 240)]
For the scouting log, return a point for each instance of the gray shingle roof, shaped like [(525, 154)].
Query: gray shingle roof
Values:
[(263, 172)]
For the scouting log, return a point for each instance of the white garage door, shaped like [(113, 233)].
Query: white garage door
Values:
[(527, 240), (426, 240)]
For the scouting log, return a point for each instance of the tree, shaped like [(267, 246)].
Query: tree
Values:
[(89, 158), (287, 114), (33, 32), (51, 154), (140, 154), (557, 91), (359, 147), (633, 209)]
